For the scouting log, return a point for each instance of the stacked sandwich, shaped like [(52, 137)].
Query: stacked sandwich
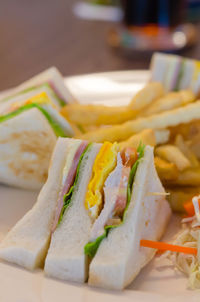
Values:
[(95, 207), (176, 73), (51, 80), (29, 126)]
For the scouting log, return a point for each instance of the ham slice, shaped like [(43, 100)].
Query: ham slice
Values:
[(122, 192), (68, 183), (62, 97)]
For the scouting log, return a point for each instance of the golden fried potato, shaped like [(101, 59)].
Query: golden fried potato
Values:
[(146, 96), (187, 96), (191, 135), (181, 144), (163, 120), (105, 115), (188, 177), (178, 196), (174, 155), (194, 144), (162, 136), (169, 101), (166, 171), (87, 115), (147, 137), (187, 130)]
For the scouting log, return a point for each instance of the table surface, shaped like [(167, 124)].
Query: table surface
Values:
[(35, 35)]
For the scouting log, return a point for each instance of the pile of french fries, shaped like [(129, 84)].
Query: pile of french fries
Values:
[(168, 121)]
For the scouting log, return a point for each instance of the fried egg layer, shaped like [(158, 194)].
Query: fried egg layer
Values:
[(104, 163)]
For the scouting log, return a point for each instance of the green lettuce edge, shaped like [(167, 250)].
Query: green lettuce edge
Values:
[(60, 101), (55, 126), (91, 248), (180, 76), (68, 197)]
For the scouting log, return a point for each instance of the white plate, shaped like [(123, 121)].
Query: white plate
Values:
[(110, 88), (157, 281)]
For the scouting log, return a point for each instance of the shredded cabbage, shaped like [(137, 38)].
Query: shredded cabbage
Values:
[(189, 236)]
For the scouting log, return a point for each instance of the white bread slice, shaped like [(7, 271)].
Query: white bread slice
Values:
[(159, 67), (23, 97), (27, 243), (51, 75), (57, 117), (188, 67), (66, 259), (119, 257), (26, 143)]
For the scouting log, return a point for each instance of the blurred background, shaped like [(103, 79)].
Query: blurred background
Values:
[(92, 36)]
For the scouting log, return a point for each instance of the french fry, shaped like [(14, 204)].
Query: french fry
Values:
[(191, 135), (170, 101), (85, 129), (162, 136), (188, 177), (104, 115), (163, 120), (178, 197), (166, 171), (187, 96), (194, 145), (147, 137), (188, 130), (146, 96), (174, 155), (87, 115), (179, 142)]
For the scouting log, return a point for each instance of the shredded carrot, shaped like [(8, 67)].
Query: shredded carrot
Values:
[(189, 207), (168, 247)]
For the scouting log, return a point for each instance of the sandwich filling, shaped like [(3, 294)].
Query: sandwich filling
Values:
[(48, 85), (56, 93), (172, 76), (104, 163), (39, 99), (41, 102), (109, 190), (69, 180), (116, 196)]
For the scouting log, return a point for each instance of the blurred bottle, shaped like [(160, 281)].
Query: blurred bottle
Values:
[(193, 11), (151, 25), (159, 12)]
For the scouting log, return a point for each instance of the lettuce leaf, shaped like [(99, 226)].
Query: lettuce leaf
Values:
[(18, 93), (68, 197), (140, 151), (55, 126), (180, 76), (91, 248)]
